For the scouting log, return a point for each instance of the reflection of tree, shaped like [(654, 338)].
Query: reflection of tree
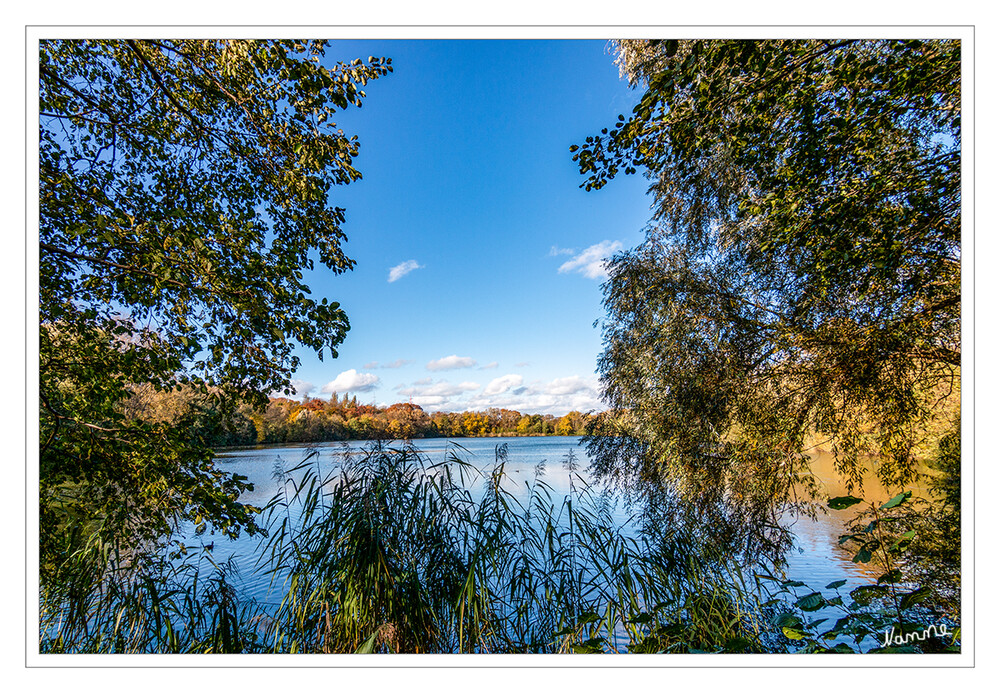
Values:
[(701, 514)]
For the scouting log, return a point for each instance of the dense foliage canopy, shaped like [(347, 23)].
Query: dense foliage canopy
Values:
[(799, 283), (184, 188)]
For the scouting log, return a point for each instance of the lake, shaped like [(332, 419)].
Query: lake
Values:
[(816, 559)]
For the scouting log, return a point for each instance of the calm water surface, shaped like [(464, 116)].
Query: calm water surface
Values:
[(817, 559)]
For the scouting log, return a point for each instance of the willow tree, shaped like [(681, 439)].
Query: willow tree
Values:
[(799, 283), (184, 187)]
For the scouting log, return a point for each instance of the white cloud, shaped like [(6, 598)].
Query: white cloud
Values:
[(555, 250), (402, 269), (502, 384), (302, 388), (451, 362), (488, 366), (398, 363), (590, 263), (568, 386), (442, 388), (560, 405), (522, 364), (352, 381), (556, 397), (371, 364), (429, 401)]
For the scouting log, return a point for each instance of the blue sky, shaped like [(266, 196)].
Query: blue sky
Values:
[(478, 256)]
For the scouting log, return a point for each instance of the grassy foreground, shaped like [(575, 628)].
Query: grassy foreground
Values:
[(392, 554)]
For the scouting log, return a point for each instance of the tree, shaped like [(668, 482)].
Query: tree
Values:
[(474, 424), (801, 274), (184, 189), (407, 421), (564, 427), (529, 424)]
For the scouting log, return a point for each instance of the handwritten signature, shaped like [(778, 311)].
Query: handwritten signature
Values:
[(893, 638)]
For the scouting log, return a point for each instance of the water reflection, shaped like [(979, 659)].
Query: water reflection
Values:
[(815, 557)]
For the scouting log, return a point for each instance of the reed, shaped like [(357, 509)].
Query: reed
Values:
[(390, 553)]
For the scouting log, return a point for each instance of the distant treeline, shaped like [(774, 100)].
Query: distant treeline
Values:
[(317, 420)]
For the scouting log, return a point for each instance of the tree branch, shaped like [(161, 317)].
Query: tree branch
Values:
[(136, 270), (133, 46)]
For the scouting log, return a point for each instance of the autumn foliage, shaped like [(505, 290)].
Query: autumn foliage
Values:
[(285, 420)]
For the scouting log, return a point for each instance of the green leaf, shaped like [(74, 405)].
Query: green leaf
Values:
[(786, 619), (842, 502), (839, 648), (836, 584), (913, 598), (592, 646), (368, 646), (811, 602), (897, 500), (738, 644), (672, 630), (903, 541), (863, 595), (862, 556), (792, 633), (892, 577)]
